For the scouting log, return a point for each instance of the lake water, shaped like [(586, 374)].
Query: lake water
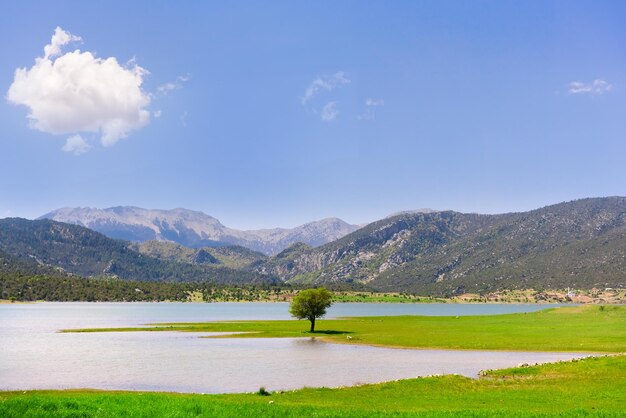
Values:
[(33, 355)]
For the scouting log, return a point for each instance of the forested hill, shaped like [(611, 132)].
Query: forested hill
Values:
[(581, 244), (44, 246), (233, 256)]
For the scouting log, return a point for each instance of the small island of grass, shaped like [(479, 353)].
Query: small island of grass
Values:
[(586, 328)]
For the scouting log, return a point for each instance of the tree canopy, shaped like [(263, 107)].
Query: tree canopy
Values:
[(311, 304)]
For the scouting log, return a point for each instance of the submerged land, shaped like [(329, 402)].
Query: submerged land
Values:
[(594, 386)]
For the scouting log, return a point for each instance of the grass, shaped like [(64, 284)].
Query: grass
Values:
[(372, 297), (589, 387), (587, 328), (7, 301)]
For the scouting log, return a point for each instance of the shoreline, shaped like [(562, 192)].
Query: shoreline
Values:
[(590, 378), (590, 386), (339, 302), (515, 297), (18, 302), (481, 375)]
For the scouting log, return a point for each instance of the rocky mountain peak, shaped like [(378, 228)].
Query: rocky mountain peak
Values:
[(196, 229)]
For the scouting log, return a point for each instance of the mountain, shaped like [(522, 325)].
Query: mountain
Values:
[(43, 246), (581, 244), (27, 267), (413, 212), (233, 256), (196, 229)]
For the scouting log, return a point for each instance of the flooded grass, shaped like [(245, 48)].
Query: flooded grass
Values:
[(589, 387)]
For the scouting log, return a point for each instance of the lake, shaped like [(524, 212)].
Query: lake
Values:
[(33, 355)]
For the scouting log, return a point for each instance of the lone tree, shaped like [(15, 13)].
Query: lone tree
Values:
[(311, 304)]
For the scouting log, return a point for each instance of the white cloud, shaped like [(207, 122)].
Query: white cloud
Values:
[(369, 113), (77, 92), (157, 113), (59, 39), (183, 118), (76, 145), (374, 102), (167, 87), (324, 83), (595, 87), (174, 85), (329, 111)]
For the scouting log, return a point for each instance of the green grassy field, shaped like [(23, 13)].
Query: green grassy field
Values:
[(589, 387), (371, 297), (583, 329)]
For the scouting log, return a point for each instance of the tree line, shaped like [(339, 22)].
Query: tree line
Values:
[(24, 287)]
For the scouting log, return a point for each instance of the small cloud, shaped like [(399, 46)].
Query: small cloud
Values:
[(77, 92), (324, 83), (59, 38), (595, 87), (167, 87), (183, 118), (174, 85), (329, 112), (76, 145), (369, 113), (157, 113), (374, 102)]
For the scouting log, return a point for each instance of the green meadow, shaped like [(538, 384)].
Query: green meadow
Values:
[(588, 387), (583, 329)]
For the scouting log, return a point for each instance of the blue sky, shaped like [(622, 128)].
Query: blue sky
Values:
[(472, 106)]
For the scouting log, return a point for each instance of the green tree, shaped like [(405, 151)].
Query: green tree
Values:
[(311, 304)]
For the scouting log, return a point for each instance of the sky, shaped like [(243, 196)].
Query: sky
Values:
[(276, 113)]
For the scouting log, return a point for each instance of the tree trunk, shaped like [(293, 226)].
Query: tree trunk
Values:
[(312, 324)]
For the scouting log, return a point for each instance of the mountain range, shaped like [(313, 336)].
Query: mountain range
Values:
[(579, 244), (45, 247), (196, 229)]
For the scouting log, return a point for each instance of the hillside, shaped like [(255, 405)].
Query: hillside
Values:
[(233, 256), (581, 244), (10, 265), (42, 246), (196, 229)]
